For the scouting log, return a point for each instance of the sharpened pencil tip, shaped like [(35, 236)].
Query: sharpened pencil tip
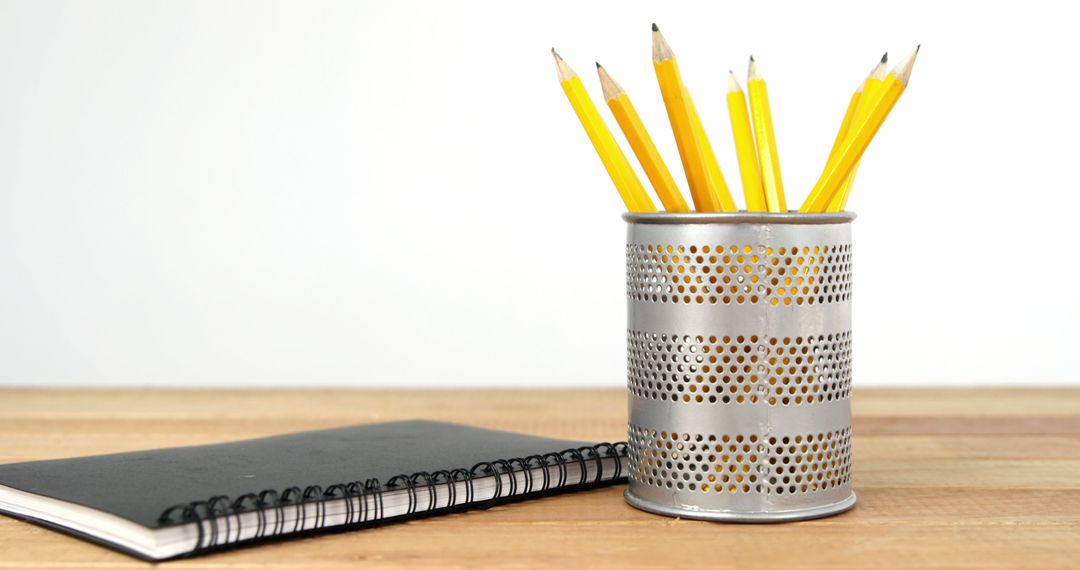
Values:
[(655, 28), (879, 72), (902, 71), (661, 51), (612, 90), (565, 72), (885, 58), (752, 72), (732, 83)]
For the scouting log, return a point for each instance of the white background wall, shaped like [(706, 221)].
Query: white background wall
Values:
[(397, 193)]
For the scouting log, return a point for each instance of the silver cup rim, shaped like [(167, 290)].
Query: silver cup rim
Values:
[(740, 217)]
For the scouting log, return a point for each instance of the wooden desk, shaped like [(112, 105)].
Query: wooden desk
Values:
[(945, 478)]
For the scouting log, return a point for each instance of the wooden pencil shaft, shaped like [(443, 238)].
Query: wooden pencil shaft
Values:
[(612, 157), (743, 133), (682, 118), (642, 144), (853, 148), (690, 153), (765, 138), (712, 165), (861, 133)]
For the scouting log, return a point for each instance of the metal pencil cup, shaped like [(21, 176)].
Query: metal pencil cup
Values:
[(739, 365)]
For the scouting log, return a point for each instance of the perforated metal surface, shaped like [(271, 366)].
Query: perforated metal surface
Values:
[(740, 463), (740, 369), (739, 366), (738, 273)]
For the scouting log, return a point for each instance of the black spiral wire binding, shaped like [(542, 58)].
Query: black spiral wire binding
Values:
[(432, 495), (406, 482), (537, 462), (270, 498), (437, 478), (218, 509), (373, 487), (462, 475), (526, 474), (286, 500), (558, 460), (355, 489), (332, 493), (576, 455), (219, 520), (240, 506), (311, 495), (484, 470)]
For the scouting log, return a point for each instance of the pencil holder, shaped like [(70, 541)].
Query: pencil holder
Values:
[(739, 365)]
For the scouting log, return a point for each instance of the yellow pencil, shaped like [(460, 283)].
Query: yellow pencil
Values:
[(622, 174), (849, 116), (744, 147), (641, 143), (845, 123), (681, 117), (712, 166), (870, 93), (765, 138), (861, 133), (853, 107)]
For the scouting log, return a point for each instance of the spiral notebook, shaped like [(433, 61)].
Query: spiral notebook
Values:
[(168, 503)]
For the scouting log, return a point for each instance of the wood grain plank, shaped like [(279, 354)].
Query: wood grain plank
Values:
[(946, 479)]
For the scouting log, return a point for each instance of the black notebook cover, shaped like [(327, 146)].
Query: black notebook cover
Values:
[(165, 487)]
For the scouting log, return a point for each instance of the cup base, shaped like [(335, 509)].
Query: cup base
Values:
[(742, 517)]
